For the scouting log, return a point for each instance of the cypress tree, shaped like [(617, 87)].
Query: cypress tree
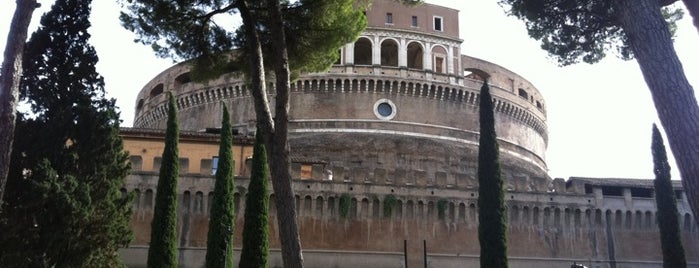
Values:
[(255, 232), (64, 205), (492, 228), (219, 251), (163, 239), (670, 240)]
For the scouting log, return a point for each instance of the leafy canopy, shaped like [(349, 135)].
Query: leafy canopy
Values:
[(208, 31), (571, 31)]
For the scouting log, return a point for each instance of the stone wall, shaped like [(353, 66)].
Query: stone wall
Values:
[(546, 229)]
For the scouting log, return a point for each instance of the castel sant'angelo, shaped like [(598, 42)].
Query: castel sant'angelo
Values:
[(394, 123)]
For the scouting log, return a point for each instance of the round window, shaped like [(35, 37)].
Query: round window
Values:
[(384, 109)]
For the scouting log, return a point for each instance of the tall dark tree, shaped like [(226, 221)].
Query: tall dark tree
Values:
[(10, 73), (492, 225), (64, 207), (163, 238), (670, 240), (255, 229), (312, 30), (574, 30), (219, 250)]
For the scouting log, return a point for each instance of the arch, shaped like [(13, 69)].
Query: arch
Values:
[(475, 74), (629, 219), (186, 198), (439, 58), (648, 221), (638, 219), (157, 90), (420, 209), (319, 206), (618, 218), (389, 52), (362, 51), (182, 79), (331, 205), (199, 202), (139, 105), (687, 222), (409, 209), (236, 202), (514, 214), (307, 205), (525, 215), (137, 199), (365, 208), (578, 218), (149, 199), (557, 216), (415, 55), (376, 208), (462, 212)]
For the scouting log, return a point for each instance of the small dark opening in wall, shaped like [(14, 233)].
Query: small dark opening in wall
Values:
[(678, 194), (157, 90), (588, 189), (522, 93), (612, 191), (641, 192), (183, 79)]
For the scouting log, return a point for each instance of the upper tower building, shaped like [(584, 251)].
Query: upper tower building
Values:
[(399, 107)]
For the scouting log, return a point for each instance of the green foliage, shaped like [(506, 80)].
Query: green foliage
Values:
[(163, 240), (345, 203), (255, 230), (442, 208), (188, 33), (219, 250), (492, 226), (670, 239), (388, 203), (571, 31), (63, 206)]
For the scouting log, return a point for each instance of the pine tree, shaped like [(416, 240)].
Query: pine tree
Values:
[(64, 207), (9, 84), (670, 240), (255, 232), (163, 238), (492, 227), (219, 250)]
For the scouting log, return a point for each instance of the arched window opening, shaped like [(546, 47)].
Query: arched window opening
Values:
[(182, 79), (415, 54), (362, 52), (439, 60), (139, 105), (157, 90), (389, 53)]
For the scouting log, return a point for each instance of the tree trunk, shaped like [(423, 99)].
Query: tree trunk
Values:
[(279, 146), (9, 83), (274, 132), (675, 102), (693, 8)]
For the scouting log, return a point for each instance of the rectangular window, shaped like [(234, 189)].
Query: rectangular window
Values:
[(439, 65), (414, 21), (389, 18), (438, 26), (306, 172), (214, 165)]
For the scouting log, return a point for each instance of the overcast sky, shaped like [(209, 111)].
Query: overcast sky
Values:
[(599, 116)]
